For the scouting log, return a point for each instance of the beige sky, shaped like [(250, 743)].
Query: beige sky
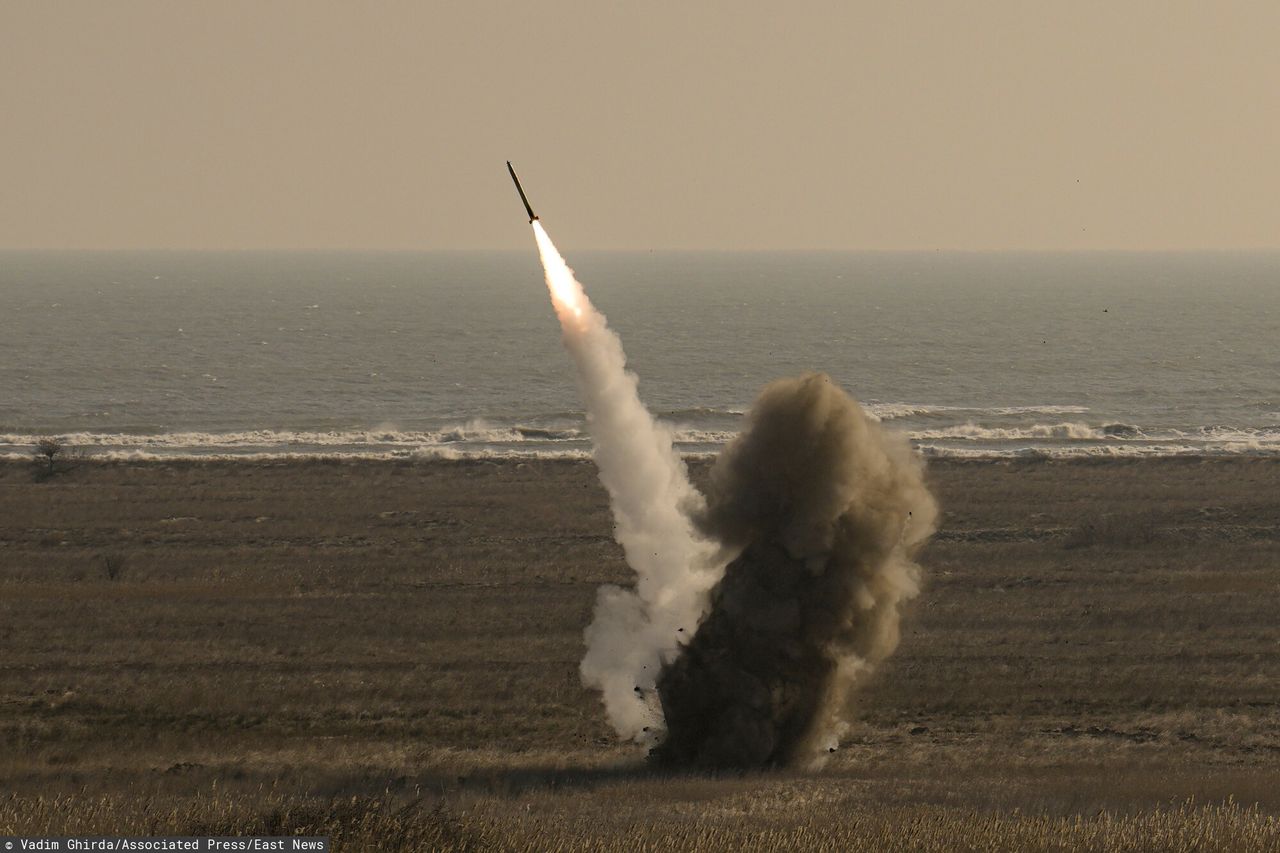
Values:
[(843, 125)]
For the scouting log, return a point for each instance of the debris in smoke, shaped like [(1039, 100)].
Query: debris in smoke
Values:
[(826, 510)]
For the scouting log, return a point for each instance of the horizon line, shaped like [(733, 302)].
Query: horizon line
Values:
[(673, 250)]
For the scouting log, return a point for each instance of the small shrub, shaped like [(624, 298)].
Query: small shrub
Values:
[(47, 451), (113, 566)]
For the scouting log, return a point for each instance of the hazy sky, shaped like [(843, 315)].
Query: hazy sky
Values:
[(747, 124)]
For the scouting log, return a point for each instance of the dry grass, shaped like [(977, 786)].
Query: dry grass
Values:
[(270, 641), (386, 824)]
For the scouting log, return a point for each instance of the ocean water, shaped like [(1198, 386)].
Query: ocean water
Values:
[(458, 354)]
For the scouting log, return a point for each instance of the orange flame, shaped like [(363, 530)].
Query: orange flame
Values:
[(566, 293)]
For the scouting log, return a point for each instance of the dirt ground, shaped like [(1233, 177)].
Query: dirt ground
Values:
[(1093, 636)]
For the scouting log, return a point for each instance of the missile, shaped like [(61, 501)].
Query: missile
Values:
[(520, 189)]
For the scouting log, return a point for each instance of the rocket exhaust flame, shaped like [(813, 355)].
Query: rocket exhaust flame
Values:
[(566, 294), (815, 509)]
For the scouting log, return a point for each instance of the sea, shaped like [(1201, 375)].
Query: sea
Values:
[(458, 355)]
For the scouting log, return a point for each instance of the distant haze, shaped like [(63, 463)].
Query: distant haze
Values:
[(736, 125)]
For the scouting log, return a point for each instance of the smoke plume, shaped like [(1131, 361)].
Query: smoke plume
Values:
[(825, 509), (634, 631), (819, 511)]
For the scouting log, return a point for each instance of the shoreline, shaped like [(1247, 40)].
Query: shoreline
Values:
[(76, 455)]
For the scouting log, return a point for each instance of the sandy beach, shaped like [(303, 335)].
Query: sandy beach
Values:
[(1093, 635)]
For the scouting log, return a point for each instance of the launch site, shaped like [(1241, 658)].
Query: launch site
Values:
[(715, 427)]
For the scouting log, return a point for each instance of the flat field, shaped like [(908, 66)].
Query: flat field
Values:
[(386, 652)]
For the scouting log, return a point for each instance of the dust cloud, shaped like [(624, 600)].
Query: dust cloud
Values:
[(825, 510)]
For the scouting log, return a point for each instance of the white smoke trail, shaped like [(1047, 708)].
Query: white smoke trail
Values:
[(633, 632)]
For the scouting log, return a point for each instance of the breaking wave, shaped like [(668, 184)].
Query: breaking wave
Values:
[(1108, 451), (475, 432), (894, 411), (935, 430), (1077, 431)]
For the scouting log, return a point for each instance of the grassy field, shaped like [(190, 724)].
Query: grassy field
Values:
[(386, 652)]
